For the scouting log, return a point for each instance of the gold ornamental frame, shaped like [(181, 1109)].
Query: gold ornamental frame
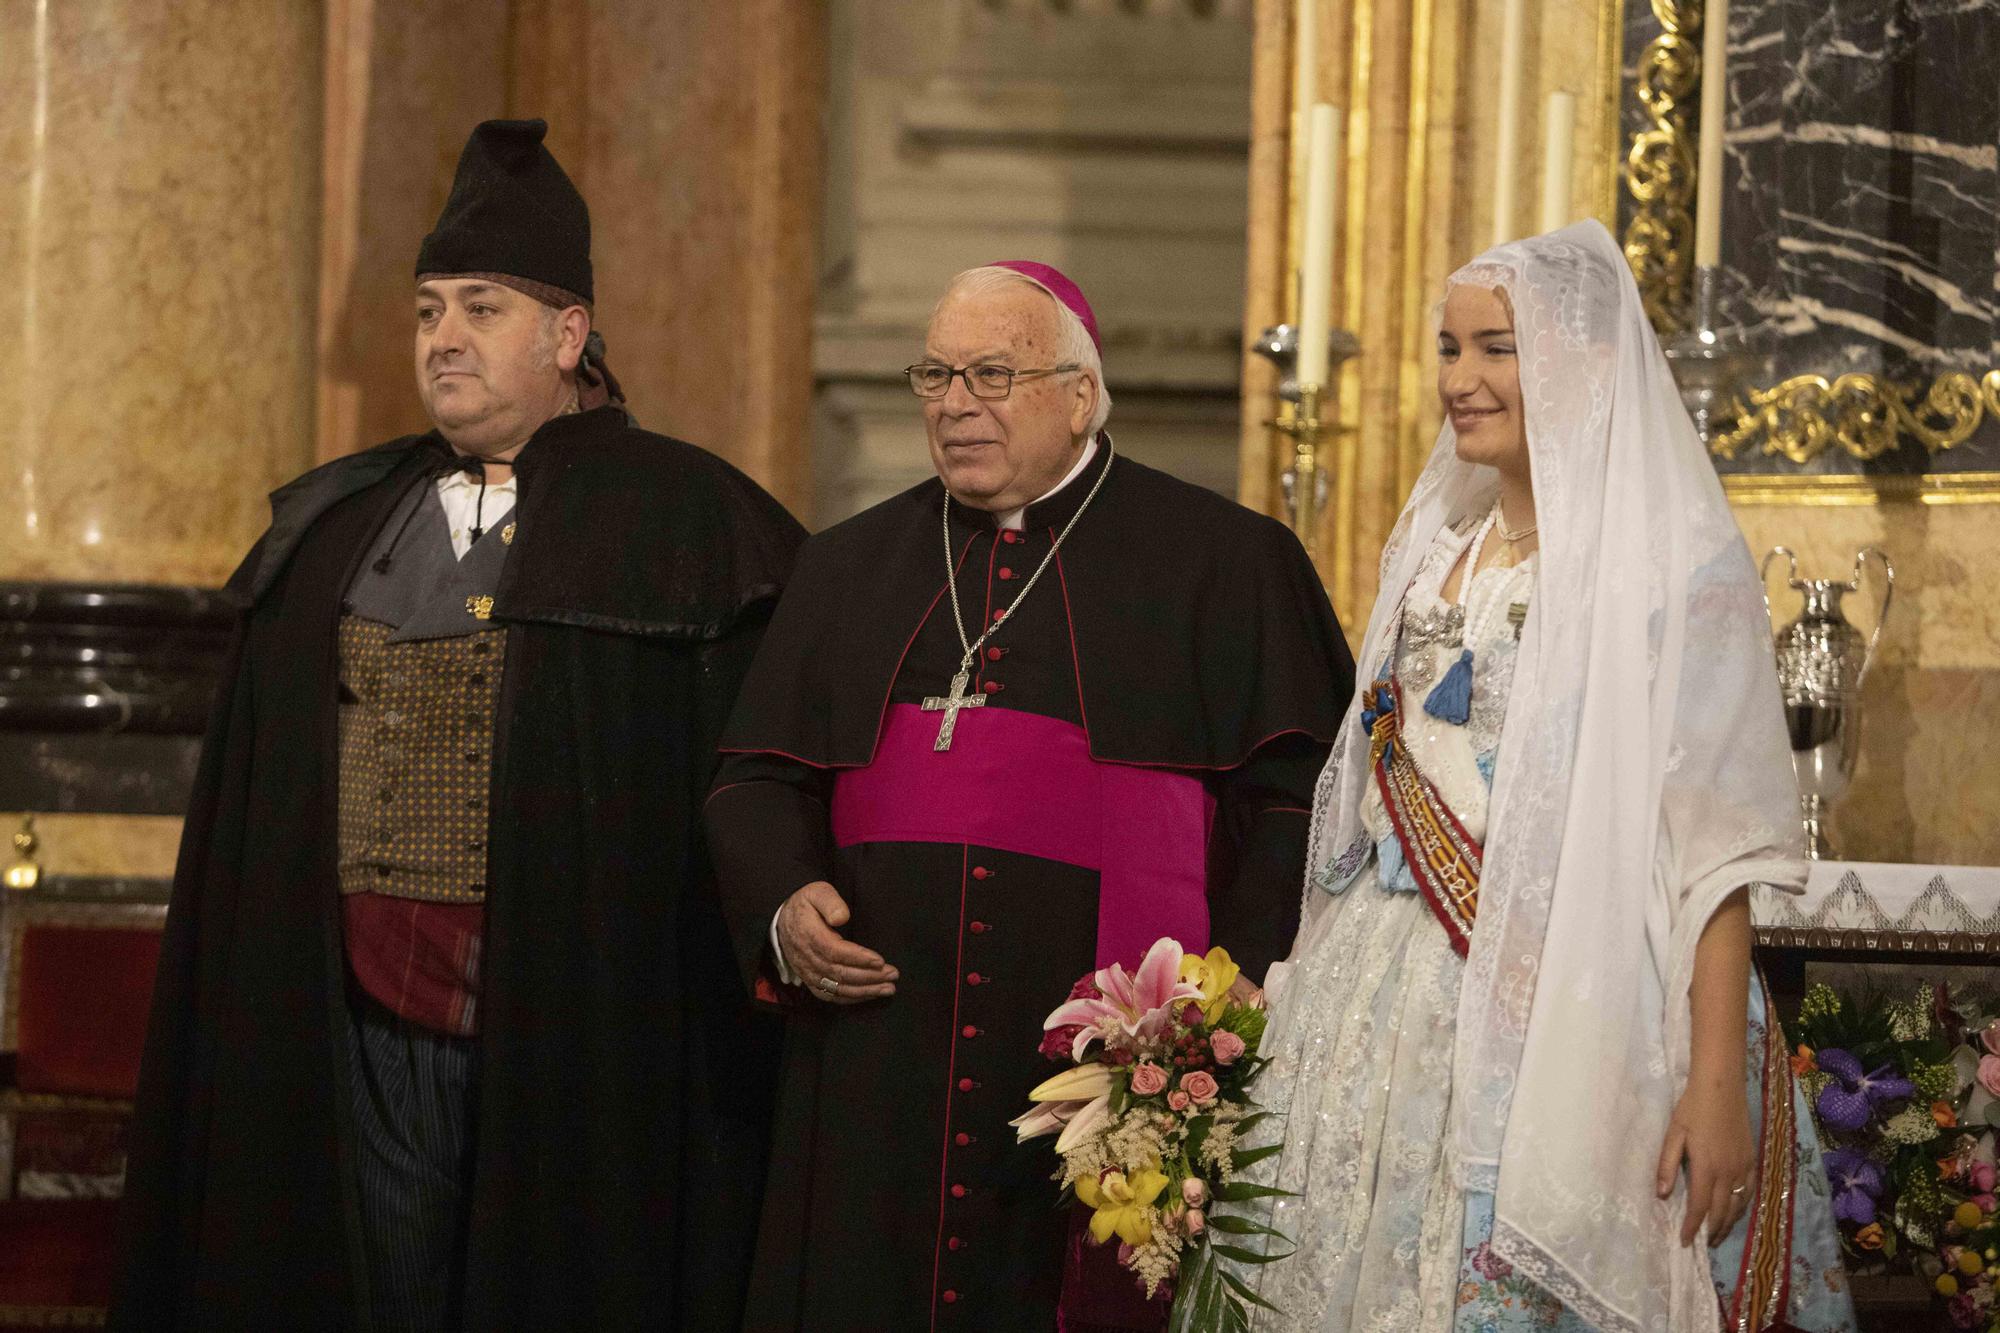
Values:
[(1798, 419), (1660, 161)]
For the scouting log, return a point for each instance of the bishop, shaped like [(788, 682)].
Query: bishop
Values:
[(1018, 722)]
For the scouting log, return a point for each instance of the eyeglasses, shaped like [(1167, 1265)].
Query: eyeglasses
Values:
[(928, 379)]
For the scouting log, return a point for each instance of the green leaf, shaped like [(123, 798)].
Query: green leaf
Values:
[(1252, 1156), (1241, 1226), (1242, 1191), (1238, 1286), (1241, 1255)]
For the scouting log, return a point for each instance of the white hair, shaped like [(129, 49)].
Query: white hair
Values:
[(1073, 342)]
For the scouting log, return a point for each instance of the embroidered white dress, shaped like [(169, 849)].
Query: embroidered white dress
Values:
[(1363, 1030), (1378, 1222)]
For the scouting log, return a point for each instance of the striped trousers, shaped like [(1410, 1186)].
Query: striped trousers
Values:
[(413, 1095)]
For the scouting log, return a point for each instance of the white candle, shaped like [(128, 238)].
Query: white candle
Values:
[(1316, 254), (1714, 114), (1507, 147), (1558, 144)]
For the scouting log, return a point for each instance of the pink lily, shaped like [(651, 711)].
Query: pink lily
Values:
[(1141, 1005)]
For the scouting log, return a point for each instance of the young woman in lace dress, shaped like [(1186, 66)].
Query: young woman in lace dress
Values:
[(1527, 1075)]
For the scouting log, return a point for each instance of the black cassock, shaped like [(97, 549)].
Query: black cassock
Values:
[(1182, 634), (623, 1098)]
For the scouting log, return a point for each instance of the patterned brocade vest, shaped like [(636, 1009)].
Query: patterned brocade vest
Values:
[(420, 675), (416, 747)]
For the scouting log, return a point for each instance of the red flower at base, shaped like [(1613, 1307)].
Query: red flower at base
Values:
[(1058, 1043)]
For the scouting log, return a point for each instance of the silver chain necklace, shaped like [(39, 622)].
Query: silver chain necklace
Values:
[(951, 704)]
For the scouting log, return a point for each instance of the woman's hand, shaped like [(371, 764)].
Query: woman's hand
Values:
[(1711, 1129)]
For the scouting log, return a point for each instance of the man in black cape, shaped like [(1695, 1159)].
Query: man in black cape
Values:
[(934, 818), (446, 1033)]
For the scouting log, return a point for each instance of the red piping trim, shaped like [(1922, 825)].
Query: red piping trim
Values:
[(950, 1078), (888, 691), (1075, 661), (782, 754)]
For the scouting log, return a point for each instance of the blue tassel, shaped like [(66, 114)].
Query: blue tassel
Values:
[(1451, 701)]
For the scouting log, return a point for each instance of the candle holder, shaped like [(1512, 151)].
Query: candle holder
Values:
[(1299, 423), (1305, 481), (1710, 362)]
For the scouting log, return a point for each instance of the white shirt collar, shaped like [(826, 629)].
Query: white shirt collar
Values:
[(453, 481), (1015, 519)]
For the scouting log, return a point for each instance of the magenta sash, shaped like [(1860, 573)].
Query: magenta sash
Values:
[(1020, 782)]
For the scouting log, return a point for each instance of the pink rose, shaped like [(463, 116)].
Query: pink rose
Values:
[(1991, 1037), (1194, 1192), (1148, 1079), (1989, 1073), (1201, 1084), (1983, 1177), (1178, 1100), (1196, 1223), (1985, 1202), (1228, 1047)]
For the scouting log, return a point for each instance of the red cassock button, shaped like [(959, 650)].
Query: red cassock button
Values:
[(966, 1085), (995, 654), (954, 1244), (980, 872), (974, 979), (1006, 573), (968, 1032), (1010, 536), (958, 1191), (961, 1140), (990, 687), (950, 1297), (979, 927)]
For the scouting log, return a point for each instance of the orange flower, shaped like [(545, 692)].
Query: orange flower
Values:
[(1803, 1062), (1946, 1117), (1869, 1237)]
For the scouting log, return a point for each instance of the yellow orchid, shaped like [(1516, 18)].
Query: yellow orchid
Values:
[(1215, 974), (1122, 1203)]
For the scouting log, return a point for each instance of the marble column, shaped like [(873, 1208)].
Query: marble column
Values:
[(694, 130), (158, 236)]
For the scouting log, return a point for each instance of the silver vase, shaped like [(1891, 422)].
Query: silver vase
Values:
[(1822, 661)]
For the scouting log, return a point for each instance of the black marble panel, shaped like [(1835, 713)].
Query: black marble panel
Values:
[(110, 658), (104, 693), (1862, 204), (131, 774)]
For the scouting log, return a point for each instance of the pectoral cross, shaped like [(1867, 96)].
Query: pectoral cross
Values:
[(951, 705)]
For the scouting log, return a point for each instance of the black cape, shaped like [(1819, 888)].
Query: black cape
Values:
[(1228, 596), (624, 1092)]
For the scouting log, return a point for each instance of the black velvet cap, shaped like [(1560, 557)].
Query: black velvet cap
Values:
[(512, 211)]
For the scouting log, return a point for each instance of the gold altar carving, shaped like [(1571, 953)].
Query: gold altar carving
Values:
[(1660, 166), (1863, 415)]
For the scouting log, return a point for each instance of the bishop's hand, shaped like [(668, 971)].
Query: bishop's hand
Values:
[(834, 969)]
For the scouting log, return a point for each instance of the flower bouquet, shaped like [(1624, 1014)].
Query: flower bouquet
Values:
[(1150, 1118), (1906, 1092)]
